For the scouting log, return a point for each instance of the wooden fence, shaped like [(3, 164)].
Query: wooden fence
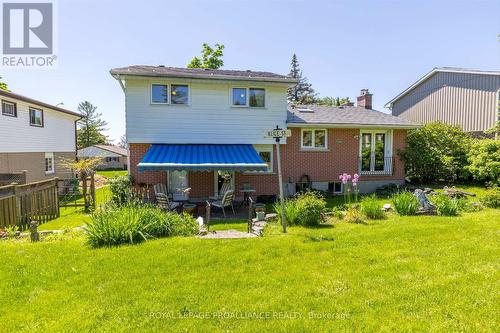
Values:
[(20, 204)]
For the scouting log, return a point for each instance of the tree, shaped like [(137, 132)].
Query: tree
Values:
[(436, 152), (302, 92), (90, 127), (333, 101), (210, 58), (123, 141), (3, 85)]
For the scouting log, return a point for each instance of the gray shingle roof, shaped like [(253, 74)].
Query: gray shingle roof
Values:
[(158, 71), (113, 149), (344, 116)]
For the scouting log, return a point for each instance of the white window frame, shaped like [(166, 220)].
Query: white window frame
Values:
[(388, 153), (170, 93), (313, 139), (151, 93), (247, 103), (51, 157), (341, 187), (14, 107), (264, 149)]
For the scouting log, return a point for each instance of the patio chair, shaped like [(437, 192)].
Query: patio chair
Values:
[(160, 188), (226, 186), (165, 204), (226, 201)]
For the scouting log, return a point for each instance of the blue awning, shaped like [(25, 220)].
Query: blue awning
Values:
[(202, 157)]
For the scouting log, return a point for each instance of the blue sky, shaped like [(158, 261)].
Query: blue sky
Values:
[(342, 46)]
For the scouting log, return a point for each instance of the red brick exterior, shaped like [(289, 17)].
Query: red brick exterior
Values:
[(321, 166)]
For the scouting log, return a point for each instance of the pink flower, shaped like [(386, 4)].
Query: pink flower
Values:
[(355, 177)]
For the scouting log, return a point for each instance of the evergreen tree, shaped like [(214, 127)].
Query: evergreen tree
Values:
[(332, 101), (210, 58), (3, 85), (90, 127), (302, 93)]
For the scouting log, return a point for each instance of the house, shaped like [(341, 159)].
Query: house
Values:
[(113, 157), (36, 137), (200, 128), (456, 96)]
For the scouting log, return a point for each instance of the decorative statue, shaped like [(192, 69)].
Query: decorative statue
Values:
[(425, 204)]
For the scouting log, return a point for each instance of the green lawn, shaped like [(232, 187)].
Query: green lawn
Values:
[(410, 274), (112, 173)]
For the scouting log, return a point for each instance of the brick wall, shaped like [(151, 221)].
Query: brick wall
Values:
[(321, 166)]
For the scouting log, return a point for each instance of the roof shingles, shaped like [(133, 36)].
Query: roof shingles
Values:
[(344, 115)]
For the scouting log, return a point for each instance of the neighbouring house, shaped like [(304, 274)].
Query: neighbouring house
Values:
[(200, 128), (469, 98), (36, 137), (113, 157)]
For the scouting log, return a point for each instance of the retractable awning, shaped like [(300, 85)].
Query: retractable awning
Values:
[(202, 157)]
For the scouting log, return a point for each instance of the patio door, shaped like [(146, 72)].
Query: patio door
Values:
[(375, 151), (177, 183), (221, 177)]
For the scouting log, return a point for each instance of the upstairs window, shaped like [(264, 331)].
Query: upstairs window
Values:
[(249, 97), (36, 117), (179, 94), (49, 163), (239, 96), (159, 94), (9, 109), (257, 97), (314, 139)]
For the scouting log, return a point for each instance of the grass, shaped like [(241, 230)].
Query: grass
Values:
[(109, 174), (425, 273), (71, 217)]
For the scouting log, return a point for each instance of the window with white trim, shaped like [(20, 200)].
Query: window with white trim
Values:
[(375, 152), (249, 97), (49, 163), (314, 138), (9, 109), (266, 153), (179, 94), (159, 93)]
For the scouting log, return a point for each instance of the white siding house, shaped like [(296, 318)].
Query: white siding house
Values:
[(35, 136)]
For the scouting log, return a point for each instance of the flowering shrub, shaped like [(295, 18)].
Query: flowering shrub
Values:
[(350, 185)]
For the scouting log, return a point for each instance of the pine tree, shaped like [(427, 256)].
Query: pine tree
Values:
[(302, 93), (123, 141), (90, 127)]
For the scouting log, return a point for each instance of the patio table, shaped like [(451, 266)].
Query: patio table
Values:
[(246, 195)]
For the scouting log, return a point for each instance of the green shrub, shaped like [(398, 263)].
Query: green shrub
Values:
[(310, 205), (446, 206), (484, 159), (371, 207), (338, 212), (353, 215), (135, 223), (291, 211), (492, 198), (405, 203), (120, 188), (305, 209), (436, 152)]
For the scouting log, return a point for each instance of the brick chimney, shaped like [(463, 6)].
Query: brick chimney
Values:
[(365, 99)]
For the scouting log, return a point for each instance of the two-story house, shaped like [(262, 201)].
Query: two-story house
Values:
[(455, 96), (196, 128), (35, 137)]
